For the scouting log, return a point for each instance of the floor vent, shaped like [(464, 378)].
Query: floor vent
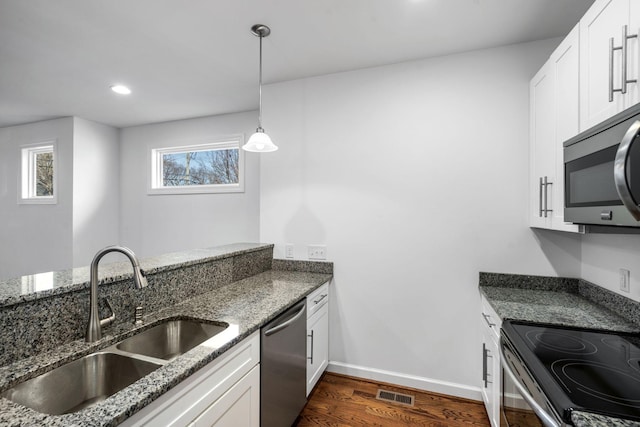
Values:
[(390, 396)]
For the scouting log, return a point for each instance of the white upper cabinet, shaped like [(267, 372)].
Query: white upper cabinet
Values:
[(606, 58), (541, 138), (554, 118)]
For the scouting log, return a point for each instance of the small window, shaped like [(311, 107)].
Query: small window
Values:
[(215, 167), (39, 174)]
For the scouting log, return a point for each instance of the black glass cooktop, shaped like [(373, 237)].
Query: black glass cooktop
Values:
[(596, 371)]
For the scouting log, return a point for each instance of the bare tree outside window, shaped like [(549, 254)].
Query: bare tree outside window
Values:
[(213, 167), (44, 174), (38, 174)]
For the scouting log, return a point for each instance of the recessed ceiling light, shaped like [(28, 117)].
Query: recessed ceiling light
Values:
[(122, 90)]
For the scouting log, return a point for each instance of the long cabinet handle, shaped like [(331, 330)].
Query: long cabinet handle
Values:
[(540, 198), (625, 58), (546, 197), (623, 48), (485, 365), (311, 357), (611, 49)]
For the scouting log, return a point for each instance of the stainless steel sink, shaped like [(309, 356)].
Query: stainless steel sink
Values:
[(95, 377), (172, 338), (80, 383)]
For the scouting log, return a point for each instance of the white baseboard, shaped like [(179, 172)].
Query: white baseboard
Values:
[(413, 381)]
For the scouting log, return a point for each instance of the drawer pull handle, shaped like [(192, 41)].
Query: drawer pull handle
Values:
[(323, 296), (487, 319)]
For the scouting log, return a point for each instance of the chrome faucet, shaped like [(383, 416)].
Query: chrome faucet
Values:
[(94, 327)]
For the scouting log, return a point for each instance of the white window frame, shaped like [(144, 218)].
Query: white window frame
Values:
[(27, 191), (155, 184)]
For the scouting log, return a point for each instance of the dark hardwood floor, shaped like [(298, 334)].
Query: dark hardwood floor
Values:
[(340, 400)]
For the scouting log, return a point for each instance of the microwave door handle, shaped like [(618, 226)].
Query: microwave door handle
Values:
[(620, 170), (546, 418)]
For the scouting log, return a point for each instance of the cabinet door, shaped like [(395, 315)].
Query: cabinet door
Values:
[(490, 386), (602, 21), (186, 401), (317, 346), (541, 139), (238, 407), (565, 66)]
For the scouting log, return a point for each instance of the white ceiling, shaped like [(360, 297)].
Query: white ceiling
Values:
[(197, 57)]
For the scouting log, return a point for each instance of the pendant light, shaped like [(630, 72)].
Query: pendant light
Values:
[(260, 142)]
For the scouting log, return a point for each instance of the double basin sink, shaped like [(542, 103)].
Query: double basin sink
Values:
[(92, 378)]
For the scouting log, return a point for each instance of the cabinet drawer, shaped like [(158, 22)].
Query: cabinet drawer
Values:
[(491, 318), (317, 299), (182, 404)]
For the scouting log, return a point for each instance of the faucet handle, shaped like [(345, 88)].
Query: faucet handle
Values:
[(109, 320)]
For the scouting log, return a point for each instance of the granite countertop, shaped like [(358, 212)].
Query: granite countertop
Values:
[(556, 307), (568, 302), (42, 285), (246, 305)]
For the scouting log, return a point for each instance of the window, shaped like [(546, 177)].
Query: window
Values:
[(39, 173), (214, 167)]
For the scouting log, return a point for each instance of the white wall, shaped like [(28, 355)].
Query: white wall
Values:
[(96, 188), (604, 255), (155, 224), (415, 177), (35, 238)]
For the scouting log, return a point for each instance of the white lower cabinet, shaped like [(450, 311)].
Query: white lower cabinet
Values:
[(317, 335), (226, 392), (240, 406), (491, 369)]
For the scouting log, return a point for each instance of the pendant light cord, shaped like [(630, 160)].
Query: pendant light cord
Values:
[(260, 89)]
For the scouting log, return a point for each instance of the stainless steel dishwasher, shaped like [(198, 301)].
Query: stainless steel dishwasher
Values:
[(283, 367)]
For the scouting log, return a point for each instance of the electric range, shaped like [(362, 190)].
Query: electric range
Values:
[(568, 369)]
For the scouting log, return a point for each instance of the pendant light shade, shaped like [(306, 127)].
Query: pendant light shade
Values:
[(260, 142)]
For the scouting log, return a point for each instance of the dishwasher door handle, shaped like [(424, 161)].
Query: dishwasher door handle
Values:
[(287, 323)]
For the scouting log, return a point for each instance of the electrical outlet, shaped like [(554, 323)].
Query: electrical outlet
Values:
[(288, 251), (625, 280), (317, 252)]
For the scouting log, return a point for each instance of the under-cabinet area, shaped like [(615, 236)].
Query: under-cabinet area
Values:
[(204, 352)]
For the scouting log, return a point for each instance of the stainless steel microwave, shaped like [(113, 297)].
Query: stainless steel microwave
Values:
[(602, 188)]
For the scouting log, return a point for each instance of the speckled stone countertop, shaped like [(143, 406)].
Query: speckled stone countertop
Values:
[(246, 305), (560, 308), (561, 301), (43, 285)]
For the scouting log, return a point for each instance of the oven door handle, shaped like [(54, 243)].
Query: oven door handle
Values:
[(620, 170), (545, 417)]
